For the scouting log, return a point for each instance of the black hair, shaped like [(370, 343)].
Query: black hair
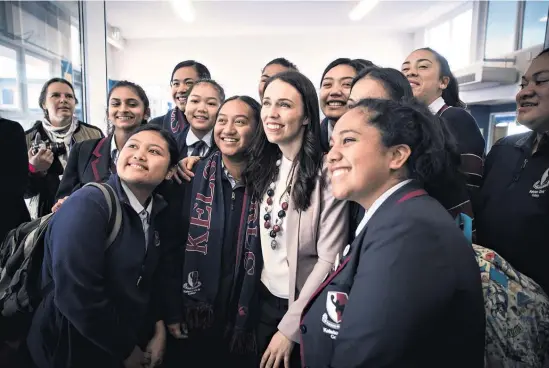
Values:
[(137, 89), (211, 82), (395, 83), (252, 104), (434, 160), (450, 95), (543, 52), (357, 64), (44, 91), (281, 61), (167, 136), (203, 72), (250, 101), (262, 170)]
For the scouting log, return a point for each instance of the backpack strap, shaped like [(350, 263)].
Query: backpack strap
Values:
[(115, 220), (115, 210)]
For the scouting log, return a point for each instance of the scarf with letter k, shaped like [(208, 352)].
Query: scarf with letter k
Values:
[(203, 256)]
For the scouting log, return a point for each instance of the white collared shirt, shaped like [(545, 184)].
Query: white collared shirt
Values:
[(377, 203), (230, 178), (192, 139), (114, 151), (330, 130), (436, 105), (144, 214)]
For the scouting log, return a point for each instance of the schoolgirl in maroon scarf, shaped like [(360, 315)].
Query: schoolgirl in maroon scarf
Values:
[(222, 256)]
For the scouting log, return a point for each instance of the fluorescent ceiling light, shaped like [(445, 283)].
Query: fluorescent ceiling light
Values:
[(543, 19), (184, 9), (361, 9)]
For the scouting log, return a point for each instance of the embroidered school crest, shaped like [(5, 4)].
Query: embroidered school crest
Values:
[(335, 304)]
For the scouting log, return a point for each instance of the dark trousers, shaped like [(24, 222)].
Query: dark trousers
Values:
[(204, 348), (272, 309)]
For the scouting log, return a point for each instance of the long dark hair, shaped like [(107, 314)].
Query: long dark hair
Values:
[(261, 169), (395, 83), (434, 160), (252, 104), (137, 89), (450, 95)]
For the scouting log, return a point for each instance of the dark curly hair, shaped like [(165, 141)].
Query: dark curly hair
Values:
[(434, 160), (261, 170), (395, 83)]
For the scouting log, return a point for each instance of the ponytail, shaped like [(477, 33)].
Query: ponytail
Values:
[(434, 160), (450, 95)]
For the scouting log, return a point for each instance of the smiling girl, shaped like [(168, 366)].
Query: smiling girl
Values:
[(434, 84), (95, 160), (203, 101), (98, 308), (219, 277), (335, 87)]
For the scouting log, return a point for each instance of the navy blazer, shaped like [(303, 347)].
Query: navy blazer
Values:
[(89, 161), (96, 312), (407, 294)]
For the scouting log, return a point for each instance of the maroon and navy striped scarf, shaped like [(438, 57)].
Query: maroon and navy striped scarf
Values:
[(203, 256)]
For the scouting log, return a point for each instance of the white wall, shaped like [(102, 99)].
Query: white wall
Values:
[(236, 62)]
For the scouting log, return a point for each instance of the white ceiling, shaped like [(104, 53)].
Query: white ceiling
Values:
[(214, 18)]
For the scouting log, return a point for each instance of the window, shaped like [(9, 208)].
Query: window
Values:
[(500, 28), (38, 71), (452, 39), (535, 23), (503, 125), (39, 40), (9, 81)]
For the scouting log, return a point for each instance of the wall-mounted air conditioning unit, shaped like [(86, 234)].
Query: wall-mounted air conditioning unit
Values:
[(478, 76), (114, 37)]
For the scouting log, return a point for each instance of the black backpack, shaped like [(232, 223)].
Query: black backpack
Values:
[(21, 255)]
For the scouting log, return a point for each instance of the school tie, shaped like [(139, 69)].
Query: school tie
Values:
[(114, 159), (144, 216), (543, 143), (197, 148)]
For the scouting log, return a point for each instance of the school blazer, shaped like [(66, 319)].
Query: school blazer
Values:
[(407, 294), (89, 161), (102, 303), (313, 240)]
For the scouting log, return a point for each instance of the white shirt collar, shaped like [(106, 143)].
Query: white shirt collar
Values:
[(134, 202), (229, 177), (377, 203), (114, 150), (192, 138), (330, 130), (436, 105)]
